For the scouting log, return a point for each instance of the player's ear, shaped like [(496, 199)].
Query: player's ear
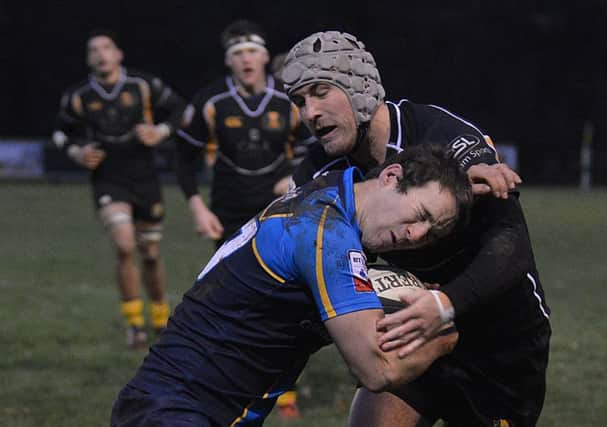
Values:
[(391, 173), (228, 61), (120, 55), (266, 57)]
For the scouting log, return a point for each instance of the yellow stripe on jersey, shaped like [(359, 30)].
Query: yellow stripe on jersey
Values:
[(320, 278), (284, 215), (241, 417), (77, 104), (263, 264), (146, 94)]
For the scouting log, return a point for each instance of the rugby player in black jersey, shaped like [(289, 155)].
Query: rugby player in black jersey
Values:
[(488, 280), (110, 123), (247, 126), (249, 130)]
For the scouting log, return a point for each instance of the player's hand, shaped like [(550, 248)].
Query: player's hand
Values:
[(410, 328), (281, 186), (90, 156), (497, 179), (206, 222), (151, 135)]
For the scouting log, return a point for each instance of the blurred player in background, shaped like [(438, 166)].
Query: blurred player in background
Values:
[(259, 308), (248, 126), (489, 281), (109, 124), (253, 136)]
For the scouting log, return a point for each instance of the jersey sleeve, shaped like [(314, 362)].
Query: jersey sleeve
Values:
[(69, 128), (505, 255), (330, 261), (167, 103), (191, 141), (462, 139)]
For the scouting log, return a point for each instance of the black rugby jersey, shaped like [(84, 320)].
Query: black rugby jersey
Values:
[(490, 264), (107, 115), (250, 140)]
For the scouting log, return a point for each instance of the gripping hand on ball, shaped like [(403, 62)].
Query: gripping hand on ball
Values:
[(426, 314)]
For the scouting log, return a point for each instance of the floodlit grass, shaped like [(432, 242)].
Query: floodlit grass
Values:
[(63, 356)]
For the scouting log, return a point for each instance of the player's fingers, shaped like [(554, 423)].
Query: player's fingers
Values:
[(400, 341), (480, 189), (411, 347), (512, 178), (498, 185), (398, 332)]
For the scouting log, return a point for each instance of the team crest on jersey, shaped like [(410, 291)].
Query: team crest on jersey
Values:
[(273, 121), (94, 106), (358, 265), (157, 210), (233, 122), (126, 99)]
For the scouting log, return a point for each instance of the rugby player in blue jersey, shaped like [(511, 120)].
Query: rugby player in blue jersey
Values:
[(293, 279)]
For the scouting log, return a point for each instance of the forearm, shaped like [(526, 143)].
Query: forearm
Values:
[(504, 256), (376, 369), (186, 161)]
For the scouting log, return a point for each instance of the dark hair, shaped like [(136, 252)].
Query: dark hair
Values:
[(103, 32), (239, 28), (425, 163)]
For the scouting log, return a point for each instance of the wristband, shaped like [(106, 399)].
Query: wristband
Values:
[(163, 129), (445, 315), (74, 152)]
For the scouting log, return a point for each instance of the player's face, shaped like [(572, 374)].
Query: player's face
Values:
[(407, 220), (102, 55), (248, 66), (326, 110)]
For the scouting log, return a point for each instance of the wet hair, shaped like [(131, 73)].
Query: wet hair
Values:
[(239, 29), (103, 32), (425, 163)]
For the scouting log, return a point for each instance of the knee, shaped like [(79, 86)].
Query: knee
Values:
[(148, 242), (150, 252), (125, 249)]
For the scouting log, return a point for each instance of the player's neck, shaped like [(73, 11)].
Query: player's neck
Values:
[(371, 152), (110, 78), (255, 88)]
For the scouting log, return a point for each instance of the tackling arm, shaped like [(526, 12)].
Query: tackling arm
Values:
[(356, 338)]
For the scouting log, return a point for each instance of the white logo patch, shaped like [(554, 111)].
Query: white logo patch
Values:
[(463, 144), (358, 266)]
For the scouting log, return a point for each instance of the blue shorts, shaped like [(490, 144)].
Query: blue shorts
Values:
[(135, 408)]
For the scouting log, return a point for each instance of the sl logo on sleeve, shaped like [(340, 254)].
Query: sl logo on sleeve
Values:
[(358, 266)]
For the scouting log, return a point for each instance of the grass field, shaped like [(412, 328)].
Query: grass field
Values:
[(63, 358)]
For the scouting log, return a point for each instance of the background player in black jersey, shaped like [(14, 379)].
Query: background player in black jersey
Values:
[(108, 124), (248, 127), (489, 282)]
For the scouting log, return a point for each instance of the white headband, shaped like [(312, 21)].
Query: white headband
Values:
[(245, 42)]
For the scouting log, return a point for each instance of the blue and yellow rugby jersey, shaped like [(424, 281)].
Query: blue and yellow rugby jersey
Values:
[(245, 330)]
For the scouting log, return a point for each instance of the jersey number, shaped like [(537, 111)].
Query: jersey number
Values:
[(245, 234)]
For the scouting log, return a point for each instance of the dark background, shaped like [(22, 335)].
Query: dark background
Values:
[(527, 72)]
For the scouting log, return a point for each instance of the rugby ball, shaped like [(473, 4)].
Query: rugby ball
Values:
[(390, 282)]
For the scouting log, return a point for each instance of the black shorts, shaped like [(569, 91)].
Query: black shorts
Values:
[(486, 391), (145, 197)]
